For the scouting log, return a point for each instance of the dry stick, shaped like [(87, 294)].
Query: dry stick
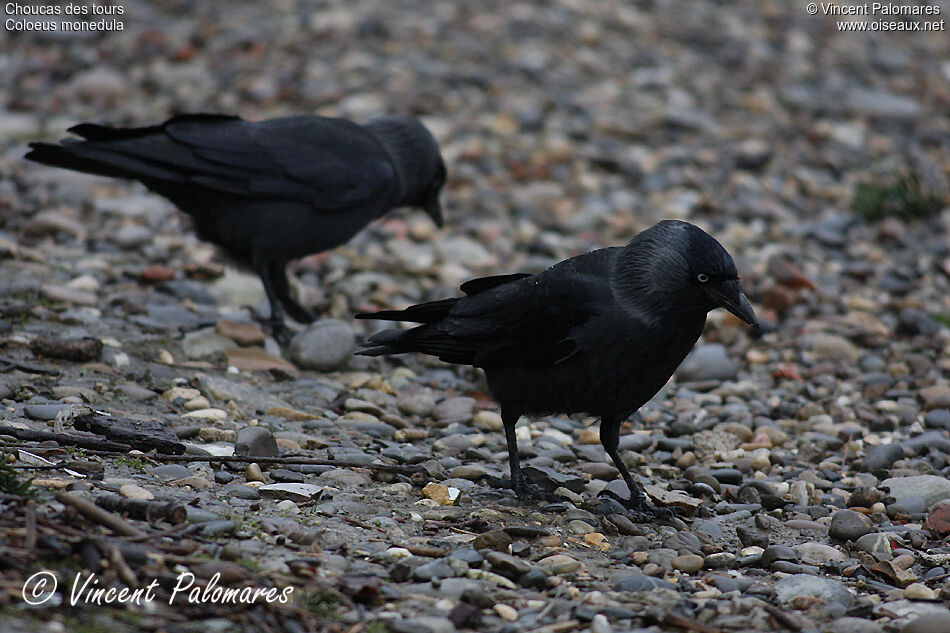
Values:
[(250, 459), (64, 438), (11, 363), (91, 511)]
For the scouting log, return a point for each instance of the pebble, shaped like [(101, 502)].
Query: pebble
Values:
[(256, 441), (132, 491), (326, 345), (560, 564), (881, 458), (253, 473), (506, 613), (454, 410), (210, 414), (688, 563), (928, 623), (641, 582), (707, 362), (830, 591), (918, 591), (848, 525), (930, 487)]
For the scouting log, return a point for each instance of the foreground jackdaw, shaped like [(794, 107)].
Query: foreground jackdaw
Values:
[(599, 333), (271, 191)]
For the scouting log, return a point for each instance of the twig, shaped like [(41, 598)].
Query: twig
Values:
[(64, 438), (91, 511), (122, 568), (6, 364)]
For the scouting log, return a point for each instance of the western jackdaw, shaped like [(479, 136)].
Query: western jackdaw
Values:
[(271, 191), (599, 333)]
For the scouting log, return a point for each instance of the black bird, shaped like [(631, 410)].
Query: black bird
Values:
[(599, 333), (271, 191)]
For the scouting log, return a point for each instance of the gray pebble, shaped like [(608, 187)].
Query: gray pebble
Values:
[(325, 345), (848, 525), (256, 441)]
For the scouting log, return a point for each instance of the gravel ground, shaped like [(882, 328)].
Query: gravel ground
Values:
[(809, 465)]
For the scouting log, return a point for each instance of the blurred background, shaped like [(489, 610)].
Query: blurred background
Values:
[(566, 125)]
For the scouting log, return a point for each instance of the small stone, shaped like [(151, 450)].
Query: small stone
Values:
[(182, 394), (497, 540), (509, 614), (831, 347), (132, 491), (814, 553), (805, 585), (881, 458), (938, 521), (688, 563), (451, 410), (928, 622), (253, 473), (169, 472), (194, 481), (488, 421), (197, 404), (931, 487), (243, 334), (210, 414), (848, 525), (580, 527), (918, 591), (775, 553), (560, 564), (641, 582), (204, 343), (507, 565), (256, 441), (707, 362), (441, 494), (874, 543), (258, 359), (325, 345), (288, 507), (936, 397), (293, 491)]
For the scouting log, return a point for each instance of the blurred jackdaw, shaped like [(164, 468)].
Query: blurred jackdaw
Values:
[(599, 333), (271, 191)]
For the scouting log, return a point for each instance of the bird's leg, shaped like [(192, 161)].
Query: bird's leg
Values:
[(276, 319), (278, 278), (519, 483), (637, 503)]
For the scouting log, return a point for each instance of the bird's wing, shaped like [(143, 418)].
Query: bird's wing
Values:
[(532, 320), (330, 164)]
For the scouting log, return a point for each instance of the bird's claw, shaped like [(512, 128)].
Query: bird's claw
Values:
[(522, 489), (639, 510)]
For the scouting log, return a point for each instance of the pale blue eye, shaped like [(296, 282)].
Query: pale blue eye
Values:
[(702, 278)]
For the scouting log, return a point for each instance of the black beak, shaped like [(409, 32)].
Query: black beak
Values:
[(434, 209), (734, 300)]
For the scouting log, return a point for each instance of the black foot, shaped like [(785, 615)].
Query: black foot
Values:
[(639, 510), (281, 332), (525, 491)]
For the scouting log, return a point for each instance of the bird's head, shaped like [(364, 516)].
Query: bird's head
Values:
[(681, 265), (417, 158), (714, 276)]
